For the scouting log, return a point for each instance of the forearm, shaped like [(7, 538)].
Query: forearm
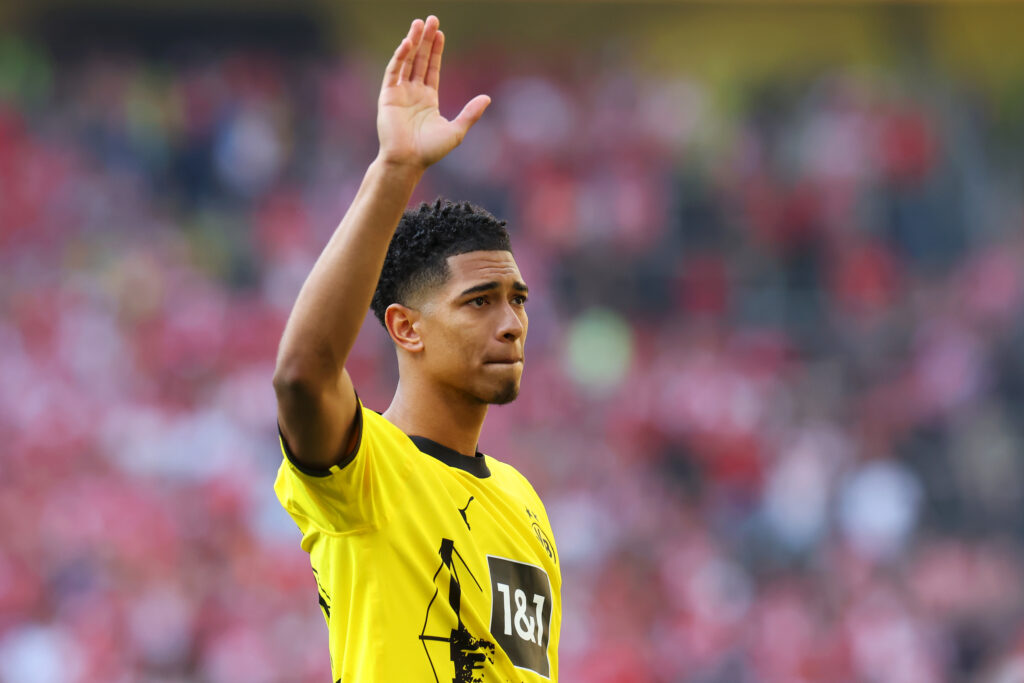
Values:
[(333, 302)]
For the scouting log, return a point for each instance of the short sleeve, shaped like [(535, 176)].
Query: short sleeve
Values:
[(339, 500)]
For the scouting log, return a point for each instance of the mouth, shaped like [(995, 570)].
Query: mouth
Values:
[(516, 361)]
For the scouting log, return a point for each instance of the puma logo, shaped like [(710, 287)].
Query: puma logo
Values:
[(463, 513)]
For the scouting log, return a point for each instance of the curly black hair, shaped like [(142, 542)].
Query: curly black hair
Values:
[(424, 239)]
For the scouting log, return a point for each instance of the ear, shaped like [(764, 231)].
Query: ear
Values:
[(401, 324)]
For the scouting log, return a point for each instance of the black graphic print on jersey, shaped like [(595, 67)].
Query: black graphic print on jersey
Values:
[(324, 599), (466, 652)]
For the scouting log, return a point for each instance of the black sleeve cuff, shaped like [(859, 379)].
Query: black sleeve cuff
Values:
[(341, 464)]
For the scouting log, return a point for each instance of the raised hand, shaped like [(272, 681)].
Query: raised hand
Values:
[(411, 129)]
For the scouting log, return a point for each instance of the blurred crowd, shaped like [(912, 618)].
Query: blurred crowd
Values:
[(774, 383)]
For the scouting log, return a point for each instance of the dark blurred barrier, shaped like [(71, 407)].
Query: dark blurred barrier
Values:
[(162, 34)]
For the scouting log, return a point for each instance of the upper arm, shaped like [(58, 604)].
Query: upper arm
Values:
[(317, 418)]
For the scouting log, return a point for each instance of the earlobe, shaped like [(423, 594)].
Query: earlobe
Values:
[(401, 324)]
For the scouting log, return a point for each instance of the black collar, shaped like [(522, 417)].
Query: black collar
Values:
[(477, 466)]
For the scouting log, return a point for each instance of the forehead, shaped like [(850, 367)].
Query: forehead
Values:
[(475, 267)]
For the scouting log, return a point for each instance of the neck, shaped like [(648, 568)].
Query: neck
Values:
[(450, 418)]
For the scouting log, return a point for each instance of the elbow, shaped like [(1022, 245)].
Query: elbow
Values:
[(285, 383), (294, 380), (296, 393), (303, 377)]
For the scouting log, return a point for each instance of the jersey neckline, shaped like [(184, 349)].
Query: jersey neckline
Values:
[(477, 465)]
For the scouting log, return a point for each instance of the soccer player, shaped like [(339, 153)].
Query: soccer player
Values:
[(433, 561)]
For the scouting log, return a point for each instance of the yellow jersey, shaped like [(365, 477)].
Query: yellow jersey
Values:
[(431, 565)]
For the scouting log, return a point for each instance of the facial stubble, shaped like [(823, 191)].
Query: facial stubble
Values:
[(506, 394)]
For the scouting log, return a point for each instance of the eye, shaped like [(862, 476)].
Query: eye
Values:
[(519, 300), (479, 301)]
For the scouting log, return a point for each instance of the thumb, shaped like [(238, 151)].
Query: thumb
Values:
[(471, 113)]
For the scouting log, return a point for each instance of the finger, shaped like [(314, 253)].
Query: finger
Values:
[(394, 70), (414, 38), (419, 68), (471, 113), (433, 78)]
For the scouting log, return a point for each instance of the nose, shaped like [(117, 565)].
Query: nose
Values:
[(513, 323)]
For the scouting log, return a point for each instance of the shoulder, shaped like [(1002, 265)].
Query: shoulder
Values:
[(349, 497), (377, 424), (510, 476), (504, 470)]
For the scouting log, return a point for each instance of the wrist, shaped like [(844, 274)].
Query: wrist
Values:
[(400, 167)]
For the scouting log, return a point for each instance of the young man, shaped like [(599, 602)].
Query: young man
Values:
[(434, 562)]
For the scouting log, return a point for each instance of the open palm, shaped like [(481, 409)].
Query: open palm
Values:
[(409, 123)]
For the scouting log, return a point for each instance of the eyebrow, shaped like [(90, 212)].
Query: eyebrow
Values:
[(488, 286)]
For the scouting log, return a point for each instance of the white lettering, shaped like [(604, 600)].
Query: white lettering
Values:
[(538, 601), (503, 589), (524, 623)]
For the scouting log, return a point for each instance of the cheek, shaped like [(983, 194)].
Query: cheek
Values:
[(455, 341)]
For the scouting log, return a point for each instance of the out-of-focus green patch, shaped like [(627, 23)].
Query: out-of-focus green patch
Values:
[(26, 76), (599, 350)]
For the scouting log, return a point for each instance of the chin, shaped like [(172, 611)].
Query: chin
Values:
[(505, 394)]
